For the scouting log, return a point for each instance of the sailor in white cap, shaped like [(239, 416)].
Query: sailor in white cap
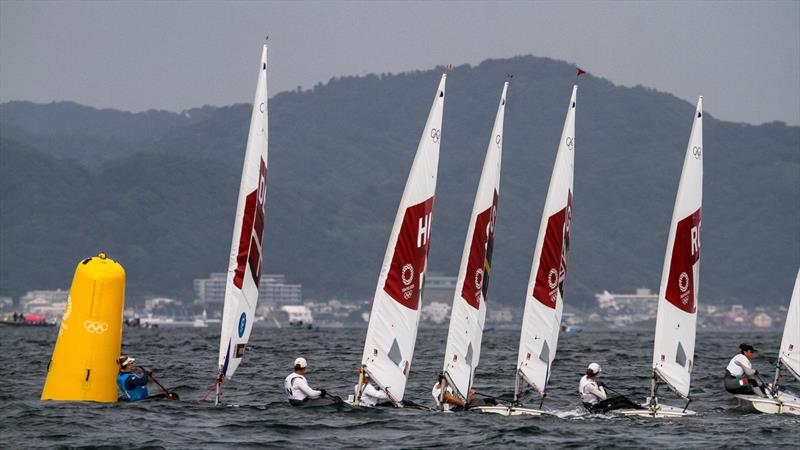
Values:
[(590, 389), (297, 388), (594, 396)]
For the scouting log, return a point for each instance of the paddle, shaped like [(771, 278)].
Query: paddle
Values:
[(167, 394)]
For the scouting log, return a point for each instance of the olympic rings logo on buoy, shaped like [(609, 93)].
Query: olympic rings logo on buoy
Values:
[(67, 309), (95, 327)]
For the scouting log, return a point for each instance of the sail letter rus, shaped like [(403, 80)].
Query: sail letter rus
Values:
[(681, 287)]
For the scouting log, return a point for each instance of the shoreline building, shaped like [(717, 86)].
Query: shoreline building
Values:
[(50, 304), (619, 310), (274, 292)]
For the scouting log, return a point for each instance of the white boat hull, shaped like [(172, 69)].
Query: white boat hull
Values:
[(783, 403), (659, 411), (509, 410)]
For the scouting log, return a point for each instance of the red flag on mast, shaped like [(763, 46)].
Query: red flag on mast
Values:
[(580, 71)]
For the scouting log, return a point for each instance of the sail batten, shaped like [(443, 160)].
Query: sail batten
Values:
[(244, 263), (463, 348), (676, 319), (394, 320), (544, 297)]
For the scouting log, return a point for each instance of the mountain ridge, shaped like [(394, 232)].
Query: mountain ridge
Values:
[(339, 155)]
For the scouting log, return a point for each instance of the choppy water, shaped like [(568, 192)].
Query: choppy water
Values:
[(257, 414)]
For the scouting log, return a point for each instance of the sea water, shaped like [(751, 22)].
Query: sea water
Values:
[(255, 412)]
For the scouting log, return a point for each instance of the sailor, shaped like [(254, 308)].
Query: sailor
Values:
[(740, 377), (449, 401), (297, 388), (590, 389), (594, 396), (371, 396), (132, 381)]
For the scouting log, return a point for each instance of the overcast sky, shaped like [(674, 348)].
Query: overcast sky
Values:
[(744, 57)]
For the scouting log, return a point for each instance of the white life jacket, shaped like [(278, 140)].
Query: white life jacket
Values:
[(292, 390), (586, 396), (736, 369), (437, 391)]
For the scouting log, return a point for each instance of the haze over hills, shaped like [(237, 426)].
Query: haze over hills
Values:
[(157, 190)]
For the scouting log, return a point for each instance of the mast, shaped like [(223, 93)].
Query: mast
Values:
[(673, 347), (541, 321), (394, 320), (244, 262), (463, 348)]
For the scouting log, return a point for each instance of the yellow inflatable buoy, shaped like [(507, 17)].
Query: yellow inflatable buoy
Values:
[(84, 363)]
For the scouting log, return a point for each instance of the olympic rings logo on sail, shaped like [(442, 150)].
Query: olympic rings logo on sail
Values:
[(436, 135), (95, 327), (552, 278), (407, 269), (697, 151), (570, 143), (479, 278), (683, 282)]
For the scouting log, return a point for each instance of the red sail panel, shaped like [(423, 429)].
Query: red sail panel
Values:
[(685, 253), (553, 260), (252, 232), (479, 264), (410, 254)]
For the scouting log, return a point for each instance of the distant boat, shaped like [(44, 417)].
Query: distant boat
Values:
[(396, 306), (676, 319), (544, 296), (571, 329), (780, 402), (28, 320), (244, 263), (299, 316), (463, 348)]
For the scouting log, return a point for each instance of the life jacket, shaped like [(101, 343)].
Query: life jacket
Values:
[(137, 393), (587, 397)]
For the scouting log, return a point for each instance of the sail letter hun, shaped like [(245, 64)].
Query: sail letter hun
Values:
[(244, 264), (392, 330), (463, 348), (676, 320), (541, 320)]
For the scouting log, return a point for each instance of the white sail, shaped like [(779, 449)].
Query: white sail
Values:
[(463, 348), (790, 344), (544, 298), (392, 331), (673, 349), (244, 265)]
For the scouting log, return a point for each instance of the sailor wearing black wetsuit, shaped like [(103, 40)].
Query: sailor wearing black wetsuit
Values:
[(132, 382)]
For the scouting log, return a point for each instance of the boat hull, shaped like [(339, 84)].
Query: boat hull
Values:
[(509, 410), (659, 411), (783, 403)]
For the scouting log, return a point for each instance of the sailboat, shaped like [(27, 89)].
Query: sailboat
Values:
[(244, 263), (396, 306), (463, 348), (777, 401), (544, 296), (676, 319)]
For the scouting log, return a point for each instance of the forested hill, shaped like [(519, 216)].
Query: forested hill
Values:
[(162, 203)]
